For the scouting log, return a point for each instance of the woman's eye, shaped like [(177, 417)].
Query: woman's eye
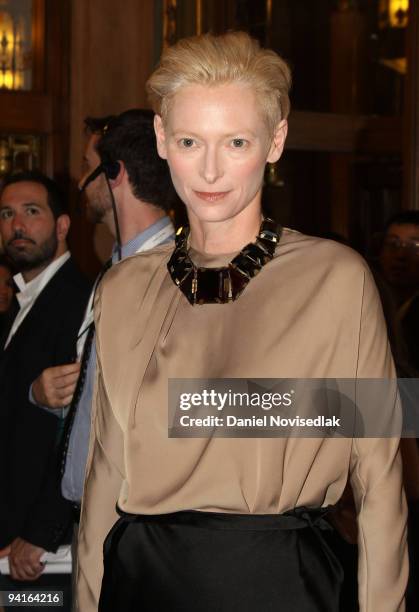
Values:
[(187, 142), (238, 143)]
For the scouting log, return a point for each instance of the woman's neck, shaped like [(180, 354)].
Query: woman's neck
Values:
[(229, 236)]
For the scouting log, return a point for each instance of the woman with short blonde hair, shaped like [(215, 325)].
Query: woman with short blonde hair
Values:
[(209, 522)]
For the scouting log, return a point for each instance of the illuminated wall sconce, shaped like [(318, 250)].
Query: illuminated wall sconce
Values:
[(6, 50), (398, 13), (393, 13), (15, 47)]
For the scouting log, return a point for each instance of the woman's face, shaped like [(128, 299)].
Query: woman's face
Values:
[(217, 144), (6, 290)]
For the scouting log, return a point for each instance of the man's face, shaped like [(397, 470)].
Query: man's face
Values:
[(27, 225), (399, 256), (97, 193)]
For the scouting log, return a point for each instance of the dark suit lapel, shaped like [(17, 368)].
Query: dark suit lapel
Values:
[(47, 294), (8, 322)]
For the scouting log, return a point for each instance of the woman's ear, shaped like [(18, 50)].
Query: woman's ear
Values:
[(160, 136), (278, 142)]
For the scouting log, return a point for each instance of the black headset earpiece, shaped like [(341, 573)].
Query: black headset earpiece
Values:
[(111, 169)]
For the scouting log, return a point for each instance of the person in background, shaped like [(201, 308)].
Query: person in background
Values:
[(120, 162), (52, 296), (399, 263)]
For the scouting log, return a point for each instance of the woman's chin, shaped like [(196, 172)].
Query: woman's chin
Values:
[(214, 213), (209, 215)]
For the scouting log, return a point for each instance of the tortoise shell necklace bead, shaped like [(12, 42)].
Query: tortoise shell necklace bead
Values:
[(226, 284)]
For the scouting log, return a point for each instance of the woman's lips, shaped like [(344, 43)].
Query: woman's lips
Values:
[(211, 196)]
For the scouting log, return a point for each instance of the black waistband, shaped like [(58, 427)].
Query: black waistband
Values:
[(299, 518)]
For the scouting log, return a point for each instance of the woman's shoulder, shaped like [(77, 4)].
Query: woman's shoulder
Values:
[(137, 268), (318, 251), (127, 289)]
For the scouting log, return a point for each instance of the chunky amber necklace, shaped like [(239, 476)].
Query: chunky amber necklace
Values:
[(221, 285)]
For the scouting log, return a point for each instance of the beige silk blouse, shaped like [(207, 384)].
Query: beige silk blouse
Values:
[(312, 312)]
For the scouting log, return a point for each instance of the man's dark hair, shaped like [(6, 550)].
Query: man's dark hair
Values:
[(405, 217), (129, 137), (55, 199)]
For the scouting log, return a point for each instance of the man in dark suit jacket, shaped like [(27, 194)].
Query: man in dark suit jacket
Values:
[(52, 298)]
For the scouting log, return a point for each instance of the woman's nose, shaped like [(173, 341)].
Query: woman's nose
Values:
[(212, 166)]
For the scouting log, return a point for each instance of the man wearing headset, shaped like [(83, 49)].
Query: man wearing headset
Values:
[(128, 188)]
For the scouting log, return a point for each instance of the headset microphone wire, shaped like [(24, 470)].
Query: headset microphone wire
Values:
[(115, 218)]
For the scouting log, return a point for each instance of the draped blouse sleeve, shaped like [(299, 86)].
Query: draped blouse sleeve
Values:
[(376, 476)]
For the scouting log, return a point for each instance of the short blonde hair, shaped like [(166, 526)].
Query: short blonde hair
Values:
[(215, 60)]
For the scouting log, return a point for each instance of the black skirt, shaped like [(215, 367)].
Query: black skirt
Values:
[(214, 562)]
